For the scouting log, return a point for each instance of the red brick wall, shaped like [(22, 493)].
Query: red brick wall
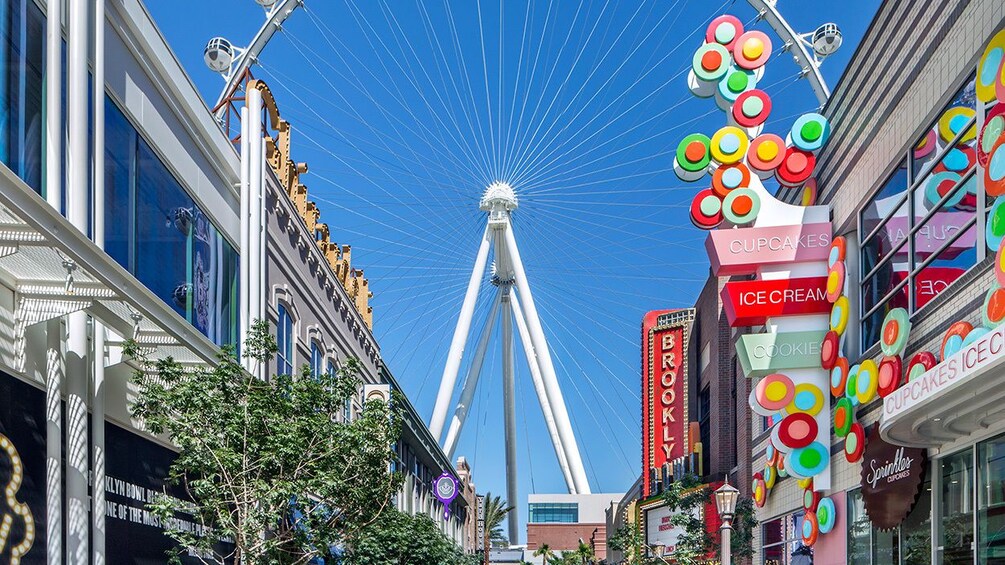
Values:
[(565, 537)]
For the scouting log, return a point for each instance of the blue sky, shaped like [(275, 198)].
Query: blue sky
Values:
[(405, 110)]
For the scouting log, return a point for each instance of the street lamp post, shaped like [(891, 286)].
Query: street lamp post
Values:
[(725, 503)]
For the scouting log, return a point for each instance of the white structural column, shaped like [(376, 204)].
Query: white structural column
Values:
[(54, 105), (509, 414), (244, 310), (562, 421), (78, 352), (254, 252), (98, 338), (471, 383), (542, 395), (457, 343)]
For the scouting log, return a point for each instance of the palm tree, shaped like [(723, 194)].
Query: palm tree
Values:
[(545, 553), (585, 552), (496, 510)]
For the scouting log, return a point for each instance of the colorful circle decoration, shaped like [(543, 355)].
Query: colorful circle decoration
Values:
[(999, 265), (839, 376), (953, 121), (806, 483), (735, 82), (890, 371), (993, 312), (752, 50), (995, 229), (728, 145), (974, 335), (829, 350), (994, 172), (810, 131), (811, 499), (844, 416), (839, 249), (770, 454), (730, 177), (896, 328), (710, 62), (724, 30), (920, 363), (809, 196), (692, 158), (808, 398), (839, 315), (797, 166), (782, 473), (774, 392), (766, 153), (952, 341), (810, 529), (807, 461), (706, 210), (990, 69), (770, 476), (826, 515), (751, 108), (835, 282), (926, 145), (760, 491), (797, 430), (867, 381), (851, 385), (854, 443), (741, 206), (994, 128)]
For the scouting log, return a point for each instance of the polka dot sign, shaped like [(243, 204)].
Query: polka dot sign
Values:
[(797, 430)]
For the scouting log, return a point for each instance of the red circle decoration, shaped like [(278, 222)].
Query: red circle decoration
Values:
[(752, 50), (730, 177), (920, 363), (759, 490), (952, 341), (766, 152), (844, 416), (854, 443), (796, 167), (811, 499), (810, 529), (797, 430), (754, 99), (830, 350), (890, 374), (699, 207), (993, 312), (724, 30), (839, 377)]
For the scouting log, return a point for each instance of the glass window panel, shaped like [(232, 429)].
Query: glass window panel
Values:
[(950, 265), (991, 502), (120, 153), (889, 240), (22, 88), (859, 529), (950, 121), (284, 341), (886, 201), (316, 360), (916, 531), (877, 287), (956, 519)]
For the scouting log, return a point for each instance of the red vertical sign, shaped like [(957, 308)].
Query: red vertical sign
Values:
[(664, 395)]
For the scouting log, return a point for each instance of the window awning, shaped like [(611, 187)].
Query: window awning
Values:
[(54, 270), (958, 397)]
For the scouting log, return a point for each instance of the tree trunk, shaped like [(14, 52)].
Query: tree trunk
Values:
[(486, 546)]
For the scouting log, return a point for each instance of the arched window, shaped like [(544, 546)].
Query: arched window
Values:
[(317, 359), (285, 339)]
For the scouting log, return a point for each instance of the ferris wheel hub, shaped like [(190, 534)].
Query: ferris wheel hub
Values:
[(499, 197)]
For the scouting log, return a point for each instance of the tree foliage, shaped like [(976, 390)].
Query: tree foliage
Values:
[(496, 509), (266, 464), (399, 539), (687, 498)]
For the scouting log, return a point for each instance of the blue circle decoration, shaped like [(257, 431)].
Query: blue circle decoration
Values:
[(826, 511), (974, 335), (808, 461), (801, 142), (932, 196)]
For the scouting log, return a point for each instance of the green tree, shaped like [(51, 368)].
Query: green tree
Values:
[(629, 541), (585, 553), (687, 498), (264, 463), (496, 511), (399, 539), (545, 553)]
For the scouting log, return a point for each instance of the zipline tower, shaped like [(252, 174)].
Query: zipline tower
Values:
[(510, 280)]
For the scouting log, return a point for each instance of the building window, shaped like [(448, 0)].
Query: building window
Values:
[(991, 501), (553, 512), (22, 91), (705, 428), (908, 544), (918, 234), (956, 510), (781, 541), (317, 360), (284, 339)]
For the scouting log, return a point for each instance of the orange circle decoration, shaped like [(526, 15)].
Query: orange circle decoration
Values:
[(729, 145), (839, 315), (867, 381), (796, 167), (991, 68), (854, 443), (810, 500), (993, 312), (751, 108), (994, 172), (838, 252), (759, 490), (891, 370), (952, 341), (809, 196), (782, 473), (830, 350), (844, 416), (839, 376), (810, 529), (724, 30), (920, 364), (752, 50), (765, 153), (952, 122), (835, 282), (706, 210), (774, 392), (730, 177), (797, 430), (896, 329)]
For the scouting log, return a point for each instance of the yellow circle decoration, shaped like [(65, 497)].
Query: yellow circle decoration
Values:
[(729, 145), (808, 398)]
